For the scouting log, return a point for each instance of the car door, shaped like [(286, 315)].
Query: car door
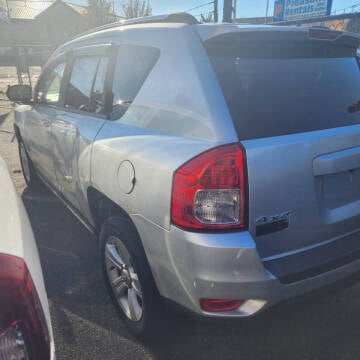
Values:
[(77, 123), (40, 117)]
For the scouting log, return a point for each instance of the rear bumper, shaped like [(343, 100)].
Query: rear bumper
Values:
[(190, 266)]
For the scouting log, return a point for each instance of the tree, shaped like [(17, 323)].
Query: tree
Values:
[(207, 18), (100, 12), (137, 8)]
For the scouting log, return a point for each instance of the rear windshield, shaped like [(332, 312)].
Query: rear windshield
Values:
[(278, 90)]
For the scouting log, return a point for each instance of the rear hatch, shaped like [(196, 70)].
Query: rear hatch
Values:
[(294, 97)]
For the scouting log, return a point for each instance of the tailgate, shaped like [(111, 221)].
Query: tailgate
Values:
[(304, 200), (295, 104)]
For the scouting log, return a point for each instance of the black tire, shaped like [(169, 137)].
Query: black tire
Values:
[(31, 178), (152, 316)]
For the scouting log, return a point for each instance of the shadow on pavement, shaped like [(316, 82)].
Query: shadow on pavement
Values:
[(322, 326)]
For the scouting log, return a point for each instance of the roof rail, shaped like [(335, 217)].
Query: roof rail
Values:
[(183, 18)]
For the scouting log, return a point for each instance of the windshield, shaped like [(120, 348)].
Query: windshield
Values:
[(277, 95)]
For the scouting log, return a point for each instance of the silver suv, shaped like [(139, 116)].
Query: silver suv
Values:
[(219, 164)]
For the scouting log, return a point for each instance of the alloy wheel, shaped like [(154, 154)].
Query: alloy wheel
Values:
[(123, 278)]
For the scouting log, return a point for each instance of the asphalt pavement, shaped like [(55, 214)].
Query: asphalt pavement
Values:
[(324, 325)]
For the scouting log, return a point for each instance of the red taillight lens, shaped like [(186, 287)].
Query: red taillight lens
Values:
[(220, 305), (209, 191), (20, 307)]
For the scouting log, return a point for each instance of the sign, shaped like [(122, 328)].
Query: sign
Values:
[(4, 11), (286, 10)]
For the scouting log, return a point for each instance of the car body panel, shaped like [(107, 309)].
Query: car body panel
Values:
[(188, 266), (313, 216), (71, 143), (37, 134)]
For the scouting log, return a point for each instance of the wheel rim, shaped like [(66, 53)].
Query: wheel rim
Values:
[(123, 279), (25, 162)]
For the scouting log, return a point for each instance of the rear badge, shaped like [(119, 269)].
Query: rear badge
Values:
[(269, 224)]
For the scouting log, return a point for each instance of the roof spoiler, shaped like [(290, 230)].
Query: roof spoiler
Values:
[(282, 33)]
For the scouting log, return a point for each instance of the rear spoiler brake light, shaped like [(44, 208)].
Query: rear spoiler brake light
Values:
[(324, 34)]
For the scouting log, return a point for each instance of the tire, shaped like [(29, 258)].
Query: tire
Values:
[(31, 178), (129, 278)]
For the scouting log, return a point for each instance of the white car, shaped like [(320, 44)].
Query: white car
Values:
[(25, 327)]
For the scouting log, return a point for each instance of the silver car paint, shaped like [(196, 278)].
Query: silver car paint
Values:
[(190, 266), (179, 113), (312, 219)]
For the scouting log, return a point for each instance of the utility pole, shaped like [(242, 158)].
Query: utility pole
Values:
[(227, 10), (267, 10), (216, 11)]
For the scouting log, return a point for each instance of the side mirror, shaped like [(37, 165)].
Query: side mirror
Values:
[(19, 93)]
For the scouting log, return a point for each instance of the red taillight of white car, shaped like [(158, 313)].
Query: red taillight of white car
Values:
[(209, 191), (23, 331)]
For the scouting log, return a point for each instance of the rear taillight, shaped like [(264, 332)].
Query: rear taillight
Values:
[(209, 191), (23, 330)]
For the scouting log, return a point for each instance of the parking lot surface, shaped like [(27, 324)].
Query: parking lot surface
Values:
[(325, 325)]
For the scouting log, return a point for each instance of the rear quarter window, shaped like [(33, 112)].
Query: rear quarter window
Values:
[(132, 67)]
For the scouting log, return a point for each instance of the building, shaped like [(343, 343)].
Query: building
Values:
[(36, 28)]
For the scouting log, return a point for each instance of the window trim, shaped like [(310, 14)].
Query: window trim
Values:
[(100, 50)]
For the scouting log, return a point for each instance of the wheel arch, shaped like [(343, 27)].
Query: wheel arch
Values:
[(102, 208)]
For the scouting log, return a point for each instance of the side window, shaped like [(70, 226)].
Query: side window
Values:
[(50, 85), (85, 90), (82, 77), (133, 65)]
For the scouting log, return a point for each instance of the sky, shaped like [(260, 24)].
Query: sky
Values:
[(245, 8)]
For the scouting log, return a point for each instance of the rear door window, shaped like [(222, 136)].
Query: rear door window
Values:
[(278, 90), (85, 90)]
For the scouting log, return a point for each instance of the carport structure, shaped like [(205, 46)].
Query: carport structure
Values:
[(34, 29)]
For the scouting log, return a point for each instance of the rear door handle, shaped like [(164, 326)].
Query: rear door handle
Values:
[(336, 162)]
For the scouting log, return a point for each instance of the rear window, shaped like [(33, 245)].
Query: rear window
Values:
[(278, 90)]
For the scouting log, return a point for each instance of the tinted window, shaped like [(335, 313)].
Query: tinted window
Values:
[(85, 90), (285, 91), (133, 65), (81, 80), (49, 88)]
